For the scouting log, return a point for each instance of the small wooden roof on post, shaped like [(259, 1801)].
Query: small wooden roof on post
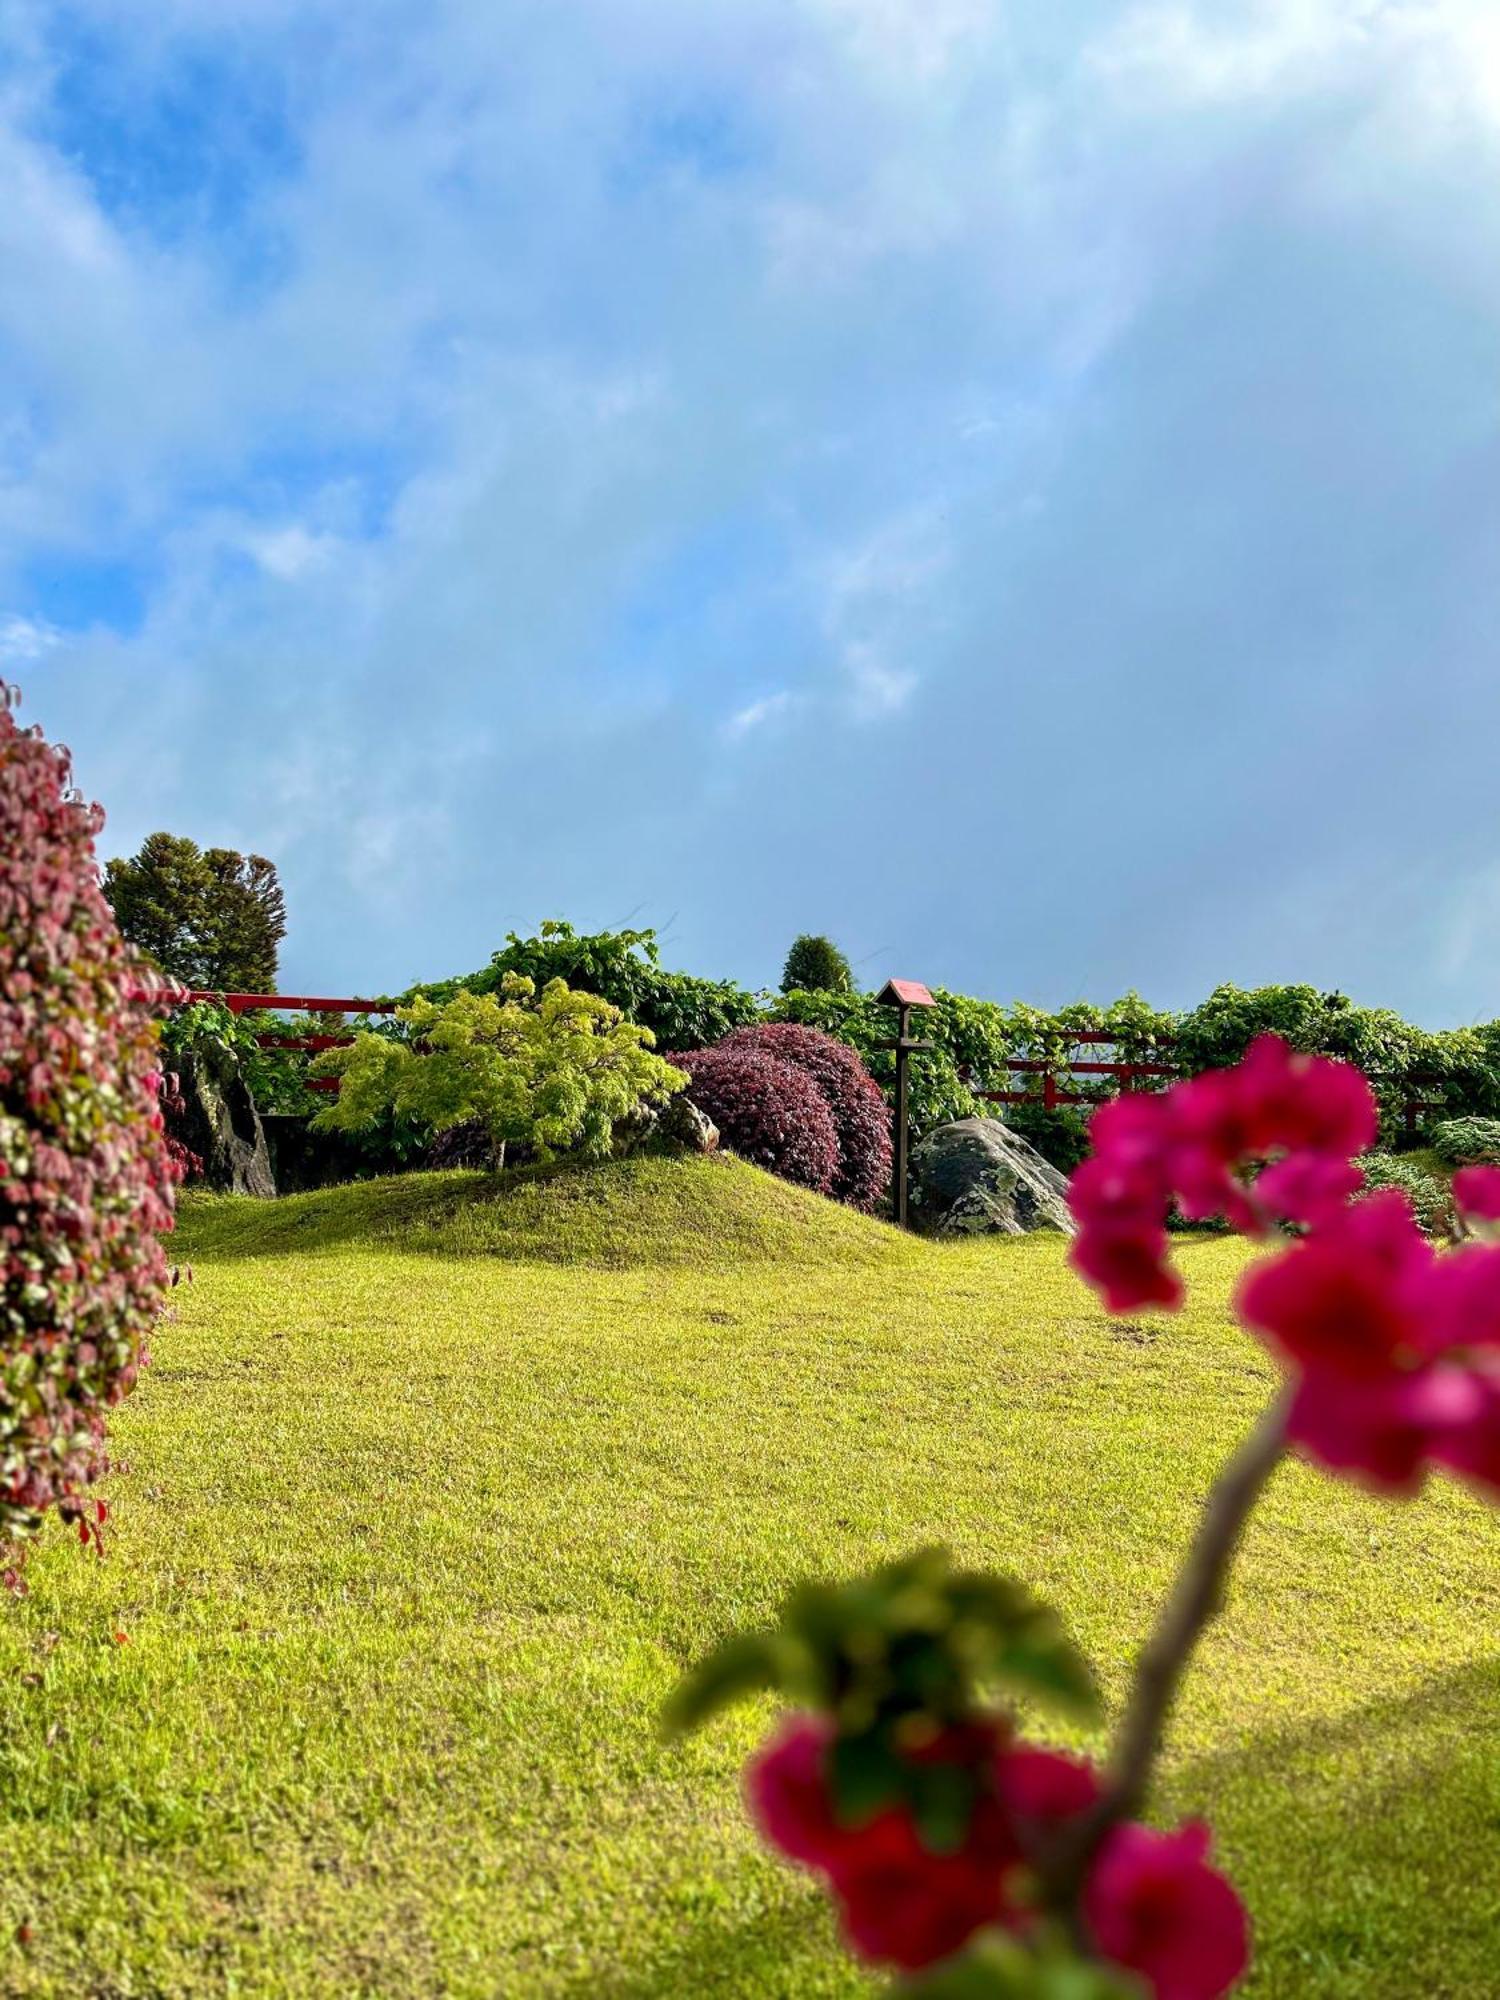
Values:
[(904, 993)]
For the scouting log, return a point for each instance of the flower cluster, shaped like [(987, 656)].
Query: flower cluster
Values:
[(1393, 1346), (85, 1180), (1294, 1122), (1150, 1904)]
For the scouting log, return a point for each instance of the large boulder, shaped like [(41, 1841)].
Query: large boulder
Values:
[(976, 1177), (219, 1122)]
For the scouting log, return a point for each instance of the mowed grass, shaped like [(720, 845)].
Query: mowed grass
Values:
[(436, 1484)]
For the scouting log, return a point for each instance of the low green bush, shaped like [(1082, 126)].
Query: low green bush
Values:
[(1431, 1198), (1467, 1142)]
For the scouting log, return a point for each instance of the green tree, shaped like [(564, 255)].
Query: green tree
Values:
[(557, 1072), (207, 916), (816, 965)]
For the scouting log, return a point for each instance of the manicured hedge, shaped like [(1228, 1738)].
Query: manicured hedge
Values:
[(861, 1116), (767, 1110), (86, 1183)]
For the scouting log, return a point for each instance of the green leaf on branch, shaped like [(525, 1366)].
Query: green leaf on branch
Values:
[(1000, 1967), (750, 1663), (913, 1638)]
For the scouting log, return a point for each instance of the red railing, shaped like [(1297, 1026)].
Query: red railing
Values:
[(1131, 1073), (1050, 1068), (293, 1003)]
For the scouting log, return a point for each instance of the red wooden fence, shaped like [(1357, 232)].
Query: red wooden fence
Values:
[(299, 1003), (1129, 1074)]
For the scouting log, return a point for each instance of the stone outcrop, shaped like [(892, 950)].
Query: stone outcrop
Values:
[(219, 1122), (977, 1177)]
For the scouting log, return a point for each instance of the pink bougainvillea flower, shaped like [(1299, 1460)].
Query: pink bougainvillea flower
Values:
[(1044, 1787), (1350, 1298), (1309, 1188), (1476, 1193), (1152, 1902), (1395, 1348), (1155, 1906), (899, 1904), (1299, 1118), (786, 1789)]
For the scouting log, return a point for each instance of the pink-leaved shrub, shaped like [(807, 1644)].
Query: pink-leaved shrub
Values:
[(86, 1183), (767, 1110), (861, 1117)]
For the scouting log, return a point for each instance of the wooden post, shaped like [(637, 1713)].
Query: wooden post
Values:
[(903, 1120), (903, 995)]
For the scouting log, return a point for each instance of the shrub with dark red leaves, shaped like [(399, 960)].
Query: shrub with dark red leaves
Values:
[(85, 1179), (767, 1110), (861, 1117)]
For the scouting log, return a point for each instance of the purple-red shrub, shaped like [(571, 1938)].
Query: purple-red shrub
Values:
[(85, 1179), (861, 1117), (767, 1110)]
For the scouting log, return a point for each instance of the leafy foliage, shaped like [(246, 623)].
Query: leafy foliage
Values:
[(768, 1110), (556, 1073), (914, 1642), (816, 965), (861, 1119), (624, 968), (1000, 1967), (1467, 1142), (275, 1077), (85, 1177), (208, 916), (1430, 1197)]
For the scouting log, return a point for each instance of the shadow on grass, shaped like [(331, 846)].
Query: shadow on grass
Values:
[(1367, 1848), (722, 1956)]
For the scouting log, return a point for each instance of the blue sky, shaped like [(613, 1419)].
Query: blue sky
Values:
[(1014, 486)]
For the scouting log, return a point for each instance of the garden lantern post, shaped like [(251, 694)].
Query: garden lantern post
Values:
[(903, 995)]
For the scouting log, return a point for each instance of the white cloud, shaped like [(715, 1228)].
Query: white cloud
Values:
[(614, 389), (23, 640), (290, 551), (756, 714)]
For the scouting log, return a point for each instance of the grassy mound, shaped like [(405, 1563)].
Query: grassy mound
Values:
[(618, 1213), (410, 1548)]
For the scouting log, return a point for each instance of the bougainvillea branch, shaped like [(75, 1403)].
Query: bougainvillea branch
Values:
[(981, 1867), (1197, 1598)]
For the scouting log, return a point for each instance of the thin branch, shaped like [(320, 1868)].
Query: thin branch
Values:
[(1197, 1598)]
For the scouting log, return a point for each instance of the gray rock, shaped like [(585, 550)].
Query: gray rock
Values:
[(977, 1177), (686, 1128), (678, 1126), (219, 1122)]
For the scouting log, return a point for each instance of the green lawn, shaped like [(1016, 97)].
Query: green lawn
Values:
[(431, 1490)]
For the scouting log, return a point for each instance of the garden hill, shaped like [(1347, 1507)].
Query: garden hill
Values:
[(437, 1483)]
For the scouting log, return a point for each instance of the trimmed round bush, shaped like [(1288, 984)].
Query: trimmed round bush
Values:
[(767, 1110), (85, 1179), (1467, 1142), (861, 1117)]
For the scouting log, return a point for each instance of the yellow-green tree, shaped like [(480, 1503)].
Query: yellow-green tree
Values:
[(557, 1071)]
